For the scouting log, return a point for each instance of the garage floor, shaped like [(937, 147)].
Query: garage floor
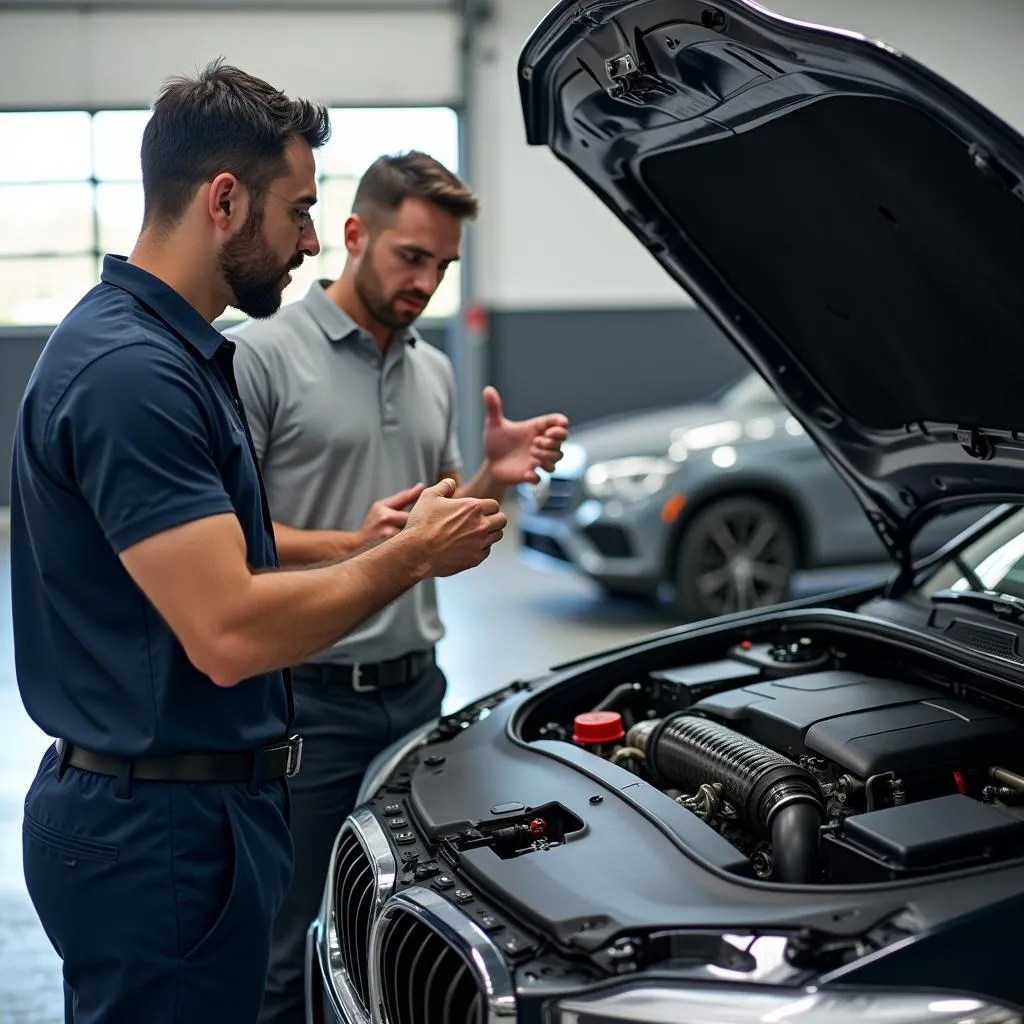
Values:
[(505, 620)]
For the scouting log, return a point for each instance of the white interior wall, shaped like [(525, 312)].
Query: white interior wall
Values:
[(544, 241), (118, 58)]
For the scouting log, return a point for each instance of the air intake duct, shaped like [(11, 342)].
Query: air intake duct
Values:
[(777, 797)]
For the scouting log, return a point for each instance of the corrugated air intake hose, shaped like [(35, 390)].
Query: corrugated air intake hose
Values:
[(777, 797)]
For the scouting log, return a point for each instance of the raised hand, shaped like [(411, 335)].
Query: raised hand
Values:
[(456, 533), (388, 516), (516, 449)]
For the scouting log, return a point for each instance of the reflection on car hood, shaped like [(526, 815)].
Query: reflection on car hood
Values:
[(850, 220)]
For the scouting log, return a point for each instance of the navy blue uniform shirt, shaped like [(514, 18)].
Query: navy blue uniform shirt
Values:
[(129, 426)]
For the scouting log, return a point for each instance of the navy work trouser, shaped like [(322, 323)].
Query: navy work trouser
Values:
[(159, 897), (342, 731)]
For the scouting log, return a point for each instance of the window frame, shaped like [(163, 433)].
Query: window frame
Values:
[(96, 252)]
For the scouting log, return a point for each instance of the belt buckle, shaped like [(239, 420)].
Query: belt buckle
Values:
[(294, 756), (357, 680)]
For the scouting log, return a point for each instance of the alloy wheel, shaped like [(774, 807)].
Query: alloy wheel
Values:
[(737, 554)]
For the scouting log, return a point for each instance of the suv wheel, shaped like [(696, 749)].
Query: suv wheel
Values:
[(737, 553)]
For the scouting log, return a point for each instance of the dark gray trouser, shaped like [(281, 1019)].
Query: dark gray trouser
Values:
[(157, 896), (342, 731)]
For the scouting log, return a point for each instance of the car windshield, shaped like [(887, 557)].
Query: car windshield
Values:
[(996, 558), (749, 390)]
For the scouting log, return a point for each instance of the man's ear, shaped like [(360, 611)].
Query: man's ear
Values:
[(225, 200), (356, 235)]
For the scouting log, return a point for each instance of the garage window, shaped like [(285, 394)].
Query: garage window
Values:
[(71, 190)]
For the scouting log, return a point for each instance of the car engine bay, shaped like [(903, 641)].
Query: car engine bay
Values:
[(822, 784), (815, 766)]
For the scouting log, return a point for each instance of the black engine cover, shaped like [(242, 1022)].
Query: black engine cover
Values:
[(864, 724)]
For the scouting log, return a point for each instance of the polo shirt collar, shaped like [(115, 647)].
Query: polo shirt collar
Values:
[(336, 324), (179, 314)]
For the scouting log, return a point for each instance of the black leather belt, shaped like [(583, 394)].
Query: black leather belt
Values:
[(275, 761), (367, 676)]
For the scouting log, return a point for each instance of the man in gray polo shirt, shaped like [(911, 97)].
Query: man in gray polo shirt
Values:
[(352, 413)]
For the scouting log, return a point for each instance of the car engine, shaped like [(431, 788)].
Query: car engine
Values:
[(816, 771)]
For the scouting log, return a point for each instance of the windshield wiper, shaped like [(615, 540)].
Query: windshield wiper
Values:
[(1003, 605), (969, 574)]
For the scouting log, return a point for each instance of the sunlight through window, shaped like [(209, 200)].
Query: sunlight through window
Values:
[(71, 190)]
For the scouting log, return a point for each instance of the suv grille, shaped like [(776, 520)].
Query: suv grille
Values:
[(353, 903), (423, 980), (554, 495), (363, 877), (432, 964), (560, 495)]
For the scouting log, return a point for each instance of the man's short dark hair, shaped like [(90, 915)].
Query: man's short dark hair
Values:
[(221, 120), (392, 179)]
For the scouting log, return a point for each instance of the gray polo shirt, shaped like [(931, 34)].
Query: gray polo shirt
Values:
[(337, 426)]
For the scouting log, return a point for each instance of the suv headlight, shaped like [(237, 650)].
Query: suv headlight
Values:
[(629, 479), (662, 1004)]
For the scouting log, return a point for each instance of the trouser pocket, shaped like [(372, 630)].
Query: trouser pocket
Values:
[(63, 873), (64, 846), (213, 894), (97, 878), (224, 972)]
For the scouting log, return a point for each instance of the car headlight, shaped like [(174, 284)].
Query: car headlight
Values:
[(629, 479), (662, 1004)]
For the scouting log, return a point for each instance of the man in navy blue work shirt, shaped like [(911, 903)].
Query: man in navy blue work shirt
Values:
[(151, 624)]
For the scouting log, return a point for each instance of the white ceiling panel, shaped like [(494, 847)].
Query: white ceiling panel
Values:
[(119, 58)]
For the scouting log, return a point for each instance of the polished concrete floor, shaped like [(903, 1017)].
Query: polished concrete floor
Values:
[(505, 620)]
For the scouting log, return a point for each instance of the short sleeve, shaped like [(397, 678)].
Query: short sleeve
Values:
[(133, 434), (254, 388), (451, 459)]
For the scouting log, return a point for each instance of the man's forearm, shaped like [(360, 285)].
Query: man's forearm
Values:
[(482, 485), (285, 617), (297, 547)]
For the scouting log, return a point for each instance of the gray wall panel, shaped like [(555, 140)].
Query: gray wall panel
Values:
[(19, 350), (593, 363)]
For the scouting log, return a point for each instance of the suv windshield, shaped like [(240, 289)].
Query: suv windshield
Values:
[(996, 558)]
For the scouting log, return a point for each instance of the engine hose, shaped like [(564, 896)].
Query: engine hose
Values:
[(795, 842), (614, 700), (775, 796)]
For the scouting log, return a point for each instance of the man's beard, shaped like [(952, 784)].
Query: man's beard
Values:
[(384, 310), (252, 272)]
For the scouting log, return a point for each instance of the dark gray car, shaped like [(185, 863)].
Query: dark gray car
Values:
[(724, 500)]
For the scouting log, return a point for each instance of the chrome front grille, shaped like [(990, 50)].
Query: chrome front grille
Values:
[(553, 495), (362, 879), (561, 495), (353, 903), (423, 980), (431, 964)]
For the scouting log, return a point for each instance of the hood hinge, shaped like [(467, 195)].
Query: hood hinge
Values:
[(905, 568), (905, 575), (898, 545)]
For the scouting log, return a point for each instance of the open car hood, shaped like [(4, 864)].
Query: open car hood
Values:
[(852, 222)]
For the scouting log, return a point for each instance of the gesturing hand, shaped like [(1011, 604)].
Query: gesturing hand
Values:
[(456, 533), (388, 516), (515, 449)]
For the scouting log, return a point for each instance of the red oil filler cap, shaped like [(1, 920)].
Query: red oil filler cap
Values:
[(597, 727)]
